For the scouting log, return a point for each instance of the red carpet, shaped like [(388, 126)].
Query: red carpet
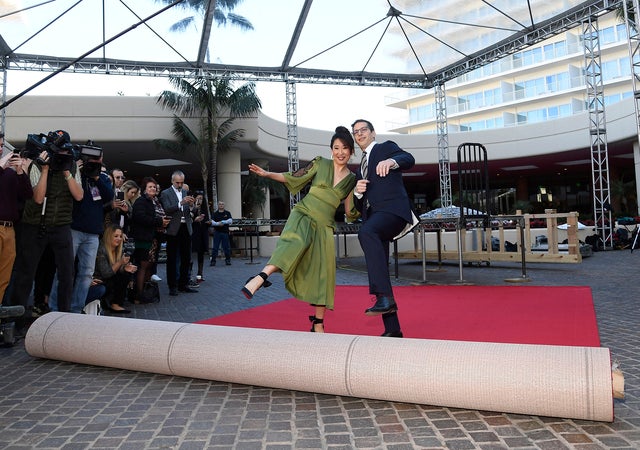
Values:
[(509, 314)]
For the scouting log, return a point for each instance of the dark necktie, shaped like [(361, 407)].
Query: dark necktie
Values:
[(364, 169)]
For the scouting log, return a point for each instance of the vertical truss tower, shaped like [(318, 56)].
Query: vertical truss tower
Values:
[(597, 131), (443, 145), (292, 135)]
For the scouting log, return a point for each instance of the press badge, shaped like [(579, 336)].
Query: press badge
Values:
[(95, 193)]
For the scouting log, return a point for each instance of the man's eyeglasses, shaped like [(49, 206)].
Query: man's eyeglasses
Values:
[(360, 130), (119, 178)]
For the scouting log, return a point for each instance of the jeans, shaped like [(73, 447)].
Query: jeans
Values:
[(85, 249), (221, 238)]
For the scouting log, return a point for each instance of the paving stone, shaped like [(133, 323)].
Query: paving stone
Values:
[(53, 405)]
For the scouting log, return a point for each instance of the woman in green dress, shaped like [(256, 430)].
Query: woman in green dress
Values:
[(305, 252)]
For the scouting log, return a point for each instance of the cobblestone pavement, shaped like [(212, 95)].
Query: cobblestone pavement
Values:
[(49, 404)]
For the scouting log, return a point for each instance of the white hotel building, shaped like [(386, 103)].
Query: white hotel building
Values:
[(535, 86)]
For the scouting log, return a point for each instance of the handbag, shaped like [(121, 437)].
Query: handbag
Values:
[(150, 292)]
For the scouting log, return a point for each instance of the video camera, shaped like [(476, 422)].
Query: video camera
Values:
[(58, 146), (62, 153), (91, 156)]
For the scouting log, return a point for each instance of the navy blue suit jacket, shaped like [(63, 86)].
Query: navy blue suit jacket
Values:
[(387, 193)]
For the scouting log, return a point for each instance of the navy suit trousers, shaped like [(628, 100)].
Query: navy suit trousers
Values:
[(375, 235)]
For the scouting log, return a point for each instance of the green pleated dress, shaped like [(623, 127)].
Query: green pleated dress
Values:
[(305, 252)]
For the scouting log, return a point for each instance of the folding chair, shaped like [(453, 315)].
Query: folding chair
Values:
[(473, 188)]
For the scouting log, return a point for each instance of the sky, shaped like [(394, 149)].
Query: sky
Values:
[(318, 106)]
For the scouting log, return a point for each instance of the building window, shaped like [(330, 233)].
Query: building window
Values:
[(621, 30), (495, 122), (607, 36), (421, 113)]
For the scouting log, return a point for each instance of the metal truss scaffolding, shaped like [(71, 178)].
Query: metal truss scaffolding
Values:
[(518, 41), (292, 135), (632, 20), (443, 146), (597, 131)]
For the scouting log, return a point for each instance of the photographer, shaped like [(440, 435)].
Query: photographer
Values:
[(46, 219), (14, 189), (87, 224)]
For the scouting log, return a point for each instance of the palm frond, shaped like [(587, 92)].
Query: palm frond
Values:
[(244, 101), (225, 142), (183, 133), (182, 24), (240, 22), (173, 146)]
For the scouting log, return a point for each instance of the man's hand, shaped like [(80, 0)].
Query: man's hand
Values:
[(16, 163), (361, 186), (44, 157), (383, 167)]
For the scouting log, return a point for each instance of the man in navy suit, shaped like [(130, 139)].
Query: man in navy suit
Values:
[(386, 211), (177, 203)]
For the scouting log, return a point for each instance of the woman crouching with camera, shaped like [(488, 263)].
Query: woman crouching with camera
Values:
[(113, 269)]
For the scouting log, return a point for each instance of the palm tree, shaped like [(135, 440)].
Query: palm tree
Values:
[(216, 105), (254, 191), (620, 14), (223, 14)]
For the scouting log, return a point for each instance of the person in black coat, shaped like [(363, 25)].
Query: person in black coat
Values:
[(200, 236), (386, 212), (147, 222)]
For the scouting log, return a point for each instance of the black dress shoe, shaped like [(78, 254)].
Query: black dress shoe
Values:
[(187, 290), (384, 305), (397, 334), (173, 292)]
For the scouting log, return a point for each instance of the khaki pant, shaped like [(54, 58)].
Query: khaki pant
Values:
[(7, 256)]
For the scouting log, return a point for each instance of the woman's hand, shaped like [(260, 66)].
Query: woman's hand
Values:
[(131, 268), (257, 170)]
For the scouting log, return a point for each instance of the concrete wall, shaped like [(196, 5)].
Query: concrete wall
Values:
[(141, 119)]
